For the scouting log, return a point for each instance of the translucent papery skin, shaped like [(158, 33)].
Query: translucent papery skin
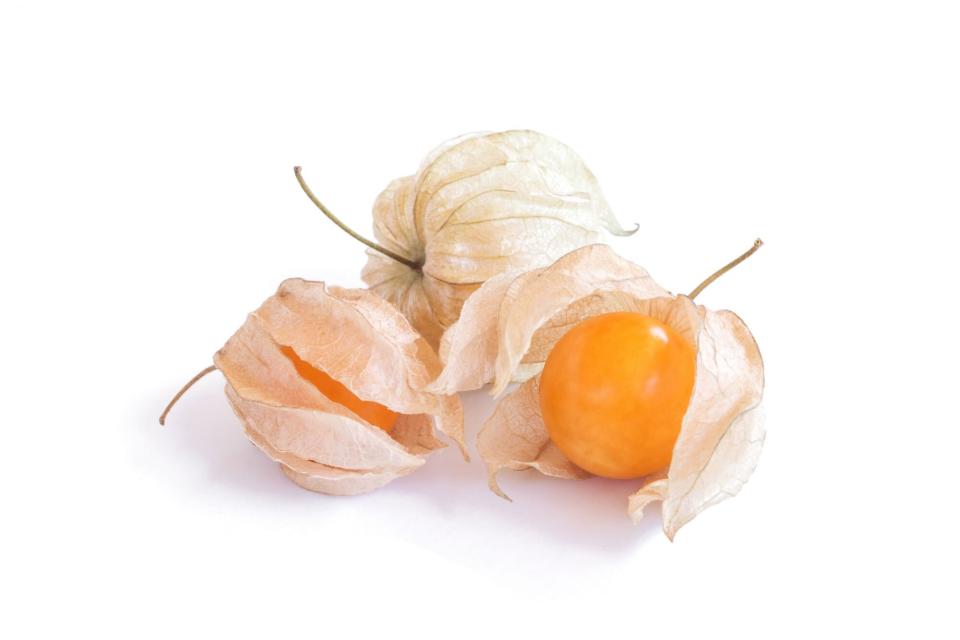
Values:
[(516, 431), (479, 206), (507, 326), (721, 434), (333, 437)]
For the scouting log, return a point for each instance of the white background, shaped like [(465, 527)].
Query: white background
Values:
[(148, 203)]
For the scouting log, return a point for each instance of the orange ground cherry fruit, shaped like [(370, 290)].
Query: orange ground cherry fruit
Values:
[(373, 412), (614, 391)]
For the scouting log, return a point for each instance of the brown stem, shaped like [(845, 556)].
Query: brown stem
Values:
[(186, 387), (703, 285), (370, 243)]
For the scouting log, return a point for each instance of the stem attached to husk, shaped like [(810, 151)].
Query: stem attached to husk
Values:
[(186, 387), (703, 285), (416, 266)]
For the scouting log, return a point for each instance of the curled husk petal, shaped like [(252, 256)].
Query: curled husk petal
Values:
[(537, 310), (722, 432), (481, 205), (514, 437), (509, 325), (472, 341), (363, 343)]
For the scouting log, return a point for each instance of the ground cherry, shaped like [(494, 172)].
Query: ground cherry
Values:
[(614, 391), (372, 412)]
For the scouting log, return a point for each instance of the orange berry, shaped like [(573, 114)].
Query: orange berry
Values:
[(614, 391), (372, 412)]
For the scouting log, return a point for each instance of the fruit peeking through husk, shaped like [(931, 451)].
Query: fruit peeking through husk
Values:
[(613, 393), (480, 205), (601, 331), (329, 383), (486, 254), (373, 412)]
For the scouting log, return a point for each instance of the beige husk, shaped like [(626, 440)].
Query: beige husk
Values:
[(506, 325), (480, 205), (722, 432), (364, 343)]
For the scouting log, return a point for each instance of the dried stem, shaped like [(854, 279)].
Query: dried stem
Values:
[(370, 243), (703, 285), (186, 387)]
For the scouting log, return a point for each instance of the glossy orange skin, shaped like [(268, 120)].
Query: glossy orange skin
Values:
[(614, 391), (372, 412)]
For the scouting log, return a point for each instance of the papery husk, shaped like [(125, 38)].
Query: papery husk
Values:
[(481, 205), (537, 310), (359, 340), (508, 325), (514, 437), (468, 348), (722, 432)]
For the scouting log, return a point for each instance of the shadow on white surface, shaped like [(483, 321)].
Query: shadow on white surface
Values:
[(587, 513), (202, 447), (445, 506)]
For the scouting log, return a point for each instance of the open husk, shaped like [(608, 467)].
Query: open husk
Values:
[(508, 325), (515, 325), (479, 206), (362, 342)]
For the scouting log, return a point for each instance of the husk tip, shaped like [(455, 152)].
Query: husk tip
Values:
[(670, 530), (623, 233), (495, 487)]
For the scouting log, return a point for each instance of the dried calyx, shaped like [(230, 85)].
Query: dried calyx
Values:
[(329, 383), (480, 205), (509, 327)]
